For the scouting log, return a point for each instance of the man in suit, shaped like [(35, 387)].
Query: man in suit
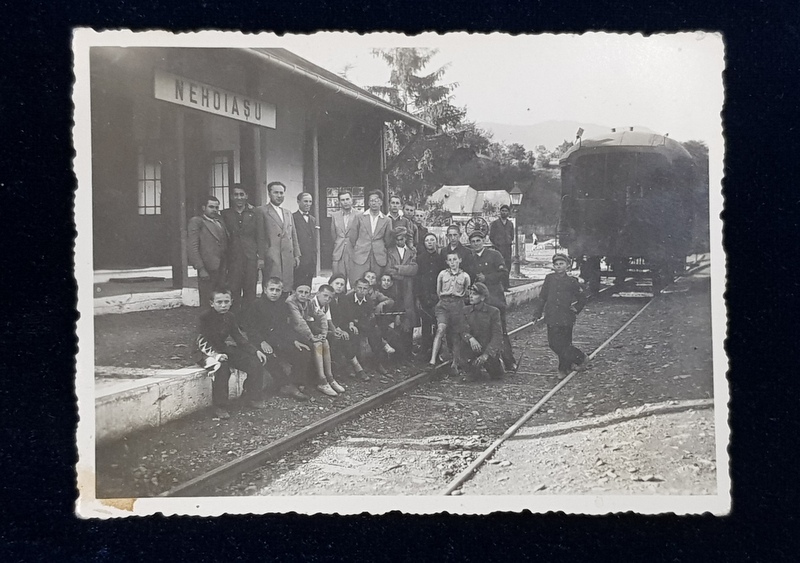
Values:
[(279, 247), (501, 234), (306, 227), (343, 228), (207, 245), (420, 232), (372, 236), (241, 222)]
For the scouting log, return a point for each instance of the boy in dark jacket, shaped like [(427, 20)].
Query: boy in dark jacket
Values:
[(561, 298), (223, 346)]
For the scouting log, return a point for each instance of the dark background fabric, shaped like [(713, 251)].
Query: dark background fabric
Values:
[(38, 409)]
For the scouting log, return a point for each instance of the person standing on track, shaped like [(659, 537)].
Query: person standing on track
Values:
[(429, 262), (501, 235), (562, 298), (305, 226), (490, 269), (451, 287), (481, 335), (402, 267)]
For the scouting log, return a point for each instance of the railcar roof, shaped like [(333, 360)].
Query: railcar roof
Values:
[(632, 139)]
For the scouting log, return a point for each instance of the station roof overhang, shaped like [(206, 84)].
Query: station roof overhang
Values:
[(288, 61)]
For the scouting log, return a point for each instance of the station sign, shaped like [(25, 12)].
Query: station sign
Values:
[(204, 97)]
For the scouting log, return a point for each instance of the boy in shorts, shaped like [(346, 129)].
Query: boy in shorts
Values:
[(451, 287)]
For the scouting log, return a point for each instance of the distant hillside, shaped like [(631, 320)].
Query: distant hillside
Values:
[(547, 133)]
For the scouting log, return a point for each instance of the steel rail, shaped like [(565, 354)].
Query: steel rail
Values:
[(472, 468), (225, 473)]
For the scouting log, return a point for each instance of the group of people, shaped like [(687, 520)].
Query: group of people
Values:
[(389, 276)]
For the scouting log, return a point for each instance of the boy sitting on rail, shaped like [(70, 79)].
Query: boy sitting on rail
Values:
[(359, 314), (221, 346), (481, 334), (451, 287), (309, 318), (562, 298), (345, 343), (267, 325), (380, 304)]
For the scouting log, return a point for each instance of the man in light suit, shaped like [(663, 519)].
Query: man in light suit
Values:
[(305, 226), (373, 234), (207, 245), (343, 227), (279, 247)]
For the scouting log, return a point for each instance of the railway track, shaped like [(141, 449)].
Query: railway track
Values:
[(526, 398)]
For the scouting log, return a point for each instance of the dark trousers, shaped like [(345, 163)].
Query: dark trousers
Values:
[(254, 383), (493, 366), (205, 286), (304, 274), (559, 338), (427, 320), (506, 253), (242, 280), (290, 366), (507, 353)]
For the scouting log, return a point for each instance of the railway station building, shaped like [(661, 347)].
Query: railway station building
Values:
[(171, 125)]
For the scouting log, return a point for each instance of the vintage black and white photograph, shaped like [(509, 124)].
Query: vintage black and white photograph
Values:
[(346, 273)]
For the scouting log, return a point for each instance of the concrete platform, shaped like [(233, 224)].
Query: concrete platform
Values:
[(130, 399)]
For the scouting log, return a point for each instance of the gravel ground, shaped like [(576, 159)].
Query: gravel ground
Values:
[(152, 461), (664, 454), (417, 443)]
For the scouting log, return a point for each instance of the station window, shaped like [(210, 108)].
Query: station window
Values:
[(219, 177), (149, 184)]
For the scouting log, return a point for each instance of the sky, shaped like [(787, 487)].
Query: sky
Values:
[(667, 83)]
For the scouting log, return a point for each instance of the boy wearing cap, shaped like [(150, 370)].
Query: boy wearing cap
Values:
[(481, 335), (402, 266), (562, 298), (490, 269)]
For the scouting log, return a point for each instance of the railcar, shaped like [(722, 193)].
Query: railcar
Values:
[(628, 199)]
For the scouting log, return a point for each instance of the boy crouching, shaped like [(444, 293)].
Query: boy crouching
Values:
[(481, 335), (222, 346)]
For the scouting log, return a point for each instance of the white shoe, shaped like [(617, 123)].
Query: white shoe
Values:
[(327, 390), (388, 349), (336, 386)]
